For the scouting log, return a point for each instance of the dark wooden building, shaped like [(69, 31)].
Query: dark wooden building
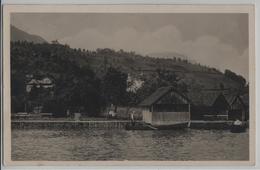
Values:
[(239, 107), (208, 105)]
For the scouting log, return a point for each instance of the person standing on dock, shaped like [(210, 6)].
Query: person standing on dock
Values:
[(68, 113), (132, 118)]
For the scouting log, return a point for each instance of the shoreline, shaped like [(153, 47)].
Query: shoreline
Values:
[(107, 124)]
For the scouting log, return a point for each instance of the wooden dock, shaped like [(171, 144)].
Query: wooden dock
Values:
[(26, 124), (221, 125)]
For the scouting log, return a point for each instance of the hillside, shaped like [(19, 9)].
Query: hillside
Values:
[(139, 67), (167, 55), (95, 79), (19, 35)]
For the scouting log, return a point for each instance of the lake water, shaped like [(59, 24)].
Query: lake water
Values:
[(187, 144)]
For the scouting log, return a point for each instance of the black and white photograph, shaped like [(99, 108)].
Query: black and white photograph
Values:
[(130, 84)]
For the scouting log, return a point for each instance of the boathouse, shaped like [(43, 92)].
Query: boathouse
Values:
[(166, 106), (208, 105), (239, 107), (245, 99), (220, 107)]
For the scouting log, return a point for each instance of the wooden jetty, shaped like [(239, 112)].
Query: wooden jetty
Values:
[(36, 124), (221, 125)]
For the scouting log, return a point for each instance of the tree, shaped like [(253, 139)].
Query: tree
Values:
[(115, 86), (86, 92), (18, 92), (149, 86), (79, 90), (221, 86), (167, 78), (238, 78)]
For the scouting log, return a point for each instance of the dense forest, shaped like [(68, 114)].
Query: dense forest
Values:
[(89, 81)]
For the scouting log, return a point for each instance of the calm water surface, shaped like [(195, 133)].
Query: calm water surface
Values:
[(188, 144)]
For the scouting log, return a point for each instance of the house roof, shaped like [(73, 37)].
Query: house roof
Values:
[(230, 97), (203, 98), (245, 98), (158, 94), (198, 98), (44, 81), (221, 102)]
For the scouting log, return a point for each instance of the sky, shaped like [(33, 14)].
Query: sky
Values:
[(216, 40)]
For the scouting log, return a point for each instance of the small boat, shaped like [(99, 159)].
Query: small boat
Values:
[(146, 126), (177, 126), (238, 127)]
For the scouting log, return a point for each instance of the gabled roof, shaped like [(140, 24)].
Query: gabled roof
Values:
[(221, 102), (231, 97), (158, 94), (245, 99), (154, 97), (203, 98)]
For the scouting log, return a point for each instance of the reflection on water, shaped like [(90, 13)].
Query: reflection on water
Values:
[(187, 144)]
